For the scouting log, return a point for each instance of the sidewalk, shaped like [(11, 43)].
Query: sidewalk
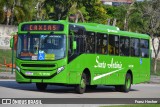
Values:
[(155, 79), (8, 75)]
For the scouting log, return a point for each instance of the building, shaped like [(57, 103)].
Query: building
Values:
[(116, 2)]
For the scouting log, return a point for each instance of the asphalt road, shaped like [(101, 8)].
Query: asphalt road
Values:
[(11, 89)]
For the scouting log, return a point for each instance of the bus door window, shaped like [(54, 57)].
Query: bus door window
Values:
[(113, 46), (76, 33), (144, 48), (90, 42), (134, 47), (79, 38), (124, 46), (70, 45), (102, 43)]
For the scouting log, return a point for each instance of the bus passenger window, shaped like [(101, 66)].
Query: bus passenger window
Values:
[(102, 43), (124, 46), (144, 48), (113, 47), (134, 47), (90, 42)]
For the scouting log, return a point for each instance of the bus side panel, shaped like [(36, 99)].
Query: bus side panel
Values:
[(75, 69)]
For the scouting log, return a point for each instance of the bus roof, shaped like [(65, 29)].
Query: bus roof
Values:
[(110, 30), (94, 26)]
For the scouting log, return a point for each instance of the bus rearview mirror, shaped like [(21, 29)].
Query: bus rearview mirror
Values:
[(13, 42), (74, 45)]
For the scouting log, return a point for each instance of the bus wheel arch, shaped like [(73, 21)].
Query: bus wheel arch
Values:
[(130, 72), (88, 75), (128, 81), (85, 80), (81, 88)]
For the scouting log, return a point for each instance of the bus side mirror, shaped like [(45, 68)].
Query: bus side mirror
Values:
[(13, 42), (74, 45)]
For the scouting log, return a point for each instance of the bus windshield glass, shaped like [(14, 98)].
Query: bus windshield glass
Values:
[(41, 47)]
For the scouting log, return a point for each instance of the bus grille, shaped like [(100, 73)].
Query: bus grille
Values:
[(38, 65)]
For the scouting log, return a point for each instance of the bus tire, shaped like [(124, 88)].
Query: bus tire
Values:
[(127, 86), (41, 86), (91, 87), (118, 88), (81, 88)]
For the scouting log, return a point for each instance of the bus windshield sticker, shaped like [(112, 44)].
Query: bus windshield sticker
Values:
[(41, 55), (49, 56), (34, 57)]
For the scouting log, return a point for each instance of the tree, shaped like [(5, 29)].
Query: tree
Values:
[(116, 15), (151, 19), (78, 11), (96, 10), (58, 9), (16, 11), (2, 14), (143, 17)]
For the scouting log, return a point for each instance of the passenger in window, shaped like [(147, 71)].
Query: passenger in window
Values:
[(132, 51), (117, 47), (104, 47), (99, 46), (122, 49), (111, 49)]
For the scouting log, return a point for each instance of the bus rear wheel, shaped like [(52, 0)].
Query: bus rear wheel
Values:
[(81, 88), (127, 86), (91, 87), (41, 86)]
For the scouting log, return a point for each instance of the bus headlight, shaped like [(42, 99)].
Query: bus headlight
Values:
[(18, 69), (60, 69)]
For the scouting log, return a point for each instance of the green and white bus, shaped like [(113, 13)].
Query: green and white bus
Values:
[(82, 55)]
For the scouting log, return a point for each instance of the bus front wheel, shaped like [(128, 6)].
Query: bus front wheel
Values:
[(80, 88), (41, 86)]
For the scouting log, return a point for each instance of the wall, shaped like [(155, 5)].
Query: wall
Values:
[(5, 35)]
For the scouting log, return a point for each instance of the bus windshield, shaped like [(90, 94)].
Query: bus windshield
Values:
[(41, 47)]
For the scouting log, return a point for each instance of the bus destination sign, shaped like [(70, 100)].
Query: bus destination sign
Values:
[(42, 27)]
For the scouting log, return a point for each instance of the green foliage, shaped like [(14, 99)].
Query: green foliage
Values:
[(2, 15), (96, 10), (58, 9), (6, 55), (19, 10)]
